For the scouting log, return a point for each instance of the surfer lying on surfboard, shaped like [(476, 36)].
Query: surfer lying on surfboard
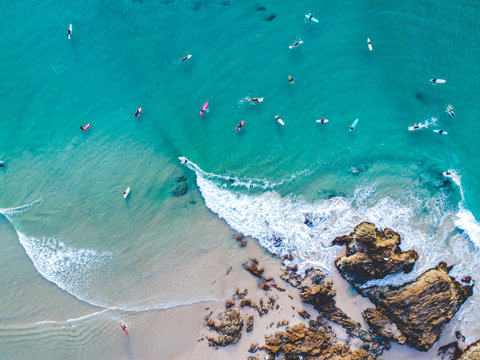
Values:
[(295, 44), (438, 81), (124, 327), (139, 110), (186, 58), (450, 111), (240, 125), (69, 35), (256, 100)]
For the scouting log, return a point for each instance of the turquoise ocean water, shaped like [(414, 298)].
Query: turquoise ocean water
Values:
[(72, 245)]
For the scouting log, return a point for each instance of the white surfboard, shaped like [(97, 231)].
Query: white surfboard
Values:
[(69, 30), (126, 192), (280, 121), (310, 17), (369, 44), (321, 121), (352, 127), (417, 127), (293, 45), (441, 132)]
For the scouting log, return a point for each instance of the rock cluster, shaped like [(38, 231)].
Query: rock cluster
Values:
[(310, 343), (413, 313), (229, 328), (372, 254)]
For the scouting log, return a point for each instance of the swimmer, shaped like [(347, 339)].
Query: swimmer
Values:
[(450, 111), (240, 125), (186, 58), (290, 79), (139, 110)]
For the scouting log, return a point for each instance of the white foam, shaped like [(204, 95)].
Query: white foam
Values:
[(71, 269), (268, 216)]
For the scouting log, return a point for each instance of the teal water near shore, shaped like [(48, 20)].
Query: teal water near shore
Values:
[(79, 244)]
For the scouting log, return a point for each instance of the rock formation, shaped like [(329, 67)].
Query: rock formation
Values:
[(372, 254), (471, 352), (229, 328), (310, 343), (415, 313)]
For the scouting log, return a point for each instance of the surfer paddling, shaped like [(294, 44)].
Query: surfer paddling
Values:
[(186, 58), (255, 100), (240, 125), (295, 44), (139, 110)]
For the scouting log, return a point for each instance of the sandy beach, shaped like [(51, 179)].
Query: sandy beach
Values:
[(180, 333)]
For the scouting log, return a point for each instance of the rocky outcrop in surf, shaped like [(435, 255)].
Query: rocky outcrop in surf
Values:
[(372, 254), (414, 313)]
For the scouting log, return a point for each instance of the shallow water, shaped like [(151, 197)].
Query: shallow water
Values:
[(80, 243)]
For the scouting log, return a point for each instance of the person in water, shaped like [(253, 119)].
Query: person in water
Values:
[(139, 110), (296, 43), (290, 79), (240, 125), (69, 35), (256, 100), (310, 16), (434, 81), (186, 58), (441, 132)]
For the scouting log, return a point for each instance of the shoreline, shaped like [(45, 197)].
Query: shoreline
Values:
[(177, 332)]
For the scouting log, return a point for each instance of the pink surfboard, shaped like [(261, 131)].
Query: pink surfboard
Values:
[(204, 107), (85, 127)]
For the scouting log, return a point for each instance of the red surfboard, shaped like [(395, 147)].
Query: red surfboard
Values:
[(124, 328)]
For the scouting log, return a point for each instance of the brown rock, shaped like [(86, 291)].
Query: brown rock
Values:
[(250, 323), (240, 294), (229, 304), (421, 308), (466, 279), (310, 343), (282, 323), (245, 302), (242, 243), (264, 286), (239, 237), (471, 352), (449, 352), (253, 358), (383, 326), (372, 254), (253, 268), (279, 288), (304, 314), (229, 328), (253, 348)]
